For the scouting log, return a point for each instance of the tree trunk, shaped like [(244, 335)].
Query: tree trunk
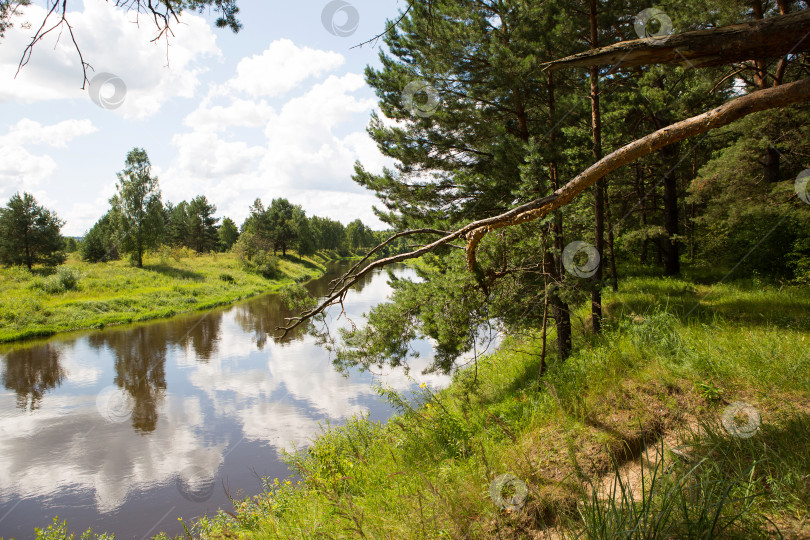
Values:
[(599, 188), (614, 277), (28, 261), (672, 260), (559, 309), (669, 155), (643, 209), (771, 163)]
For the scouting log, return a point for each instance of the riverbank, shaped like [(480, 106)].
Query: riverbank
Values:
[(656, 401), (81, 295)]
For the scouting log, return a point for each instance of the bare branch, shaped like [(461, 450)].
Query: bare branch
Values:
[(161, 12), (388, 29), (339, 281), (474, 232)]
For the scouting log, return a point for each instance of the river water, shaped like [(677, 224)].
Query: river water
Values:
[(126, 430)]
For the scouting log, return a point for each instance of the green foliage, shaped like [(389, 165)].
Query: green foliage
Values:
[(29, 233), (328, 234), (266, 265), (202, 225), (99, 243), (228, 234), (281, 222), (358, 235), (453, 318), (65, 279), (71, 246), (58, 531), (137, 208)]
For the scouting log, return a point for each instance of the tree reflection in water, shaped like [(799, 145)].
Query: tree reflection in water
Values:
[(140, 358), (31, 372), (263, 316), (204, 336)]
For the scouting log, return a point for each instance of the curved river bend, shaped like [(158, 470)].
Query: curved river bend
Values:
[(125, 430)]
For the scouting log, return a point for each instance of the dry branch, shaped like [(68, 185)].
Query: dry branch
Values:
[(766, 38), (474, 232)]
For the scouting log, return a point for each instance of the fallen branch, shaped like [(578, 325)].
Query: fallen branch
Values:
[(766, 38), (474, 232)]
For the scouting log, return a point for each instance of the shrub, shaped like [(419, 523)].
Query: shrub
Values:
[(266, 265), (65, 279)]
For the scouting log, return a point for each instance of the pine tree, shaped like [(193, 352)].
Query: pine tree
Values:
[(29, 233), (202, 225)]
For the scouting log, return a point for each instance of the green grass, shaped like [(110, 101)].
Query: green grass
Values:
[(34, 304), (672, 358)]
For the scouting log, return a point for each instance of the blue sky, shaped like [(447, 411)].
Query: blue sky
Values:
[(277, 110)]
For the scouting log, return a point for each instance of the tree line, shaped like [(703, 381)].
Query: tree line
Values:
[(138, 221)]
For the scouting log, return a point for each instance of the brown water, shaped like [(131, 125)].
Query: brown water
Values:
[(126, 430)]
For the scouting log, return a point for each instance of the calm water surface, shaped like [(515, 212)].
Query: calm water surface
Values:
[(126, 430)]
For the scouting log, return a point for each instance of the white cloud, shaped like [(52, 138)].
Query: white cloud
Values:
[(22, 171), (300, 153), (126, 462), (282, 67), (82, 215), (28, 131), (240, 113), (111, 42), (204, 154)]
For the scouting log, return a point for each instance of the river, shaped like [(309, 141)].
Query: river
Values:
[(125, 430)]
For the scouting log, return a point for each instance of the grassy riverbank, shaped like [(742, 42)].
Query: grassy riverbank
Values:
[(674, 356), (81, 295)]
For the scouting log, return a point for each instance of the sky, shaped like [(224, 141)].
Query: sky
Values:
[(278, 110)]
